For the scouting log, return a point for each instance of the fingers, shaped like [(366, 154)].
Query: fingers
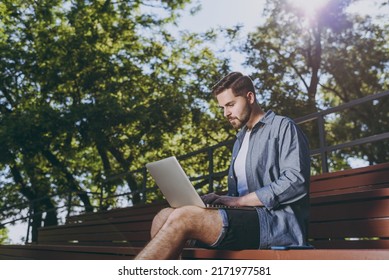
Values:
[(220, 201), (226, 200), (209, 198)]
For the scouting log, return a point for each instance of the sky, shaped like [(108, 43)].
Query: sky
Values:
[(223, 13), (248, 13)]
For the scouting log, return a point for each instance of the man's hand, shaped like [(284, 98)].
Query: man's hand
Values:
[(228, 201), (213, 198), (250, 199), (210, 198)]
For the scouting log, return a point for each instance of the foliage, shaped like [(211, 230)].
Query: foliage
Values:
[(91, 89), (3, 235), (303, 63)]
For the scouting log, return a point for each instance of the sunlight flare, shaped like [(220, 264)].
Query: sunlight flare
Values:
[(309, 7)]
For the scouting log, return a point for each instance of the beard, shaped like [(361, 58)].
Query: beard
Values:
[(240, 121)]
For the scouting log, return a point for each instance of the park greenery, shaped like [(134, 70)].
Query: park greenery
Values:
[(90, 90)]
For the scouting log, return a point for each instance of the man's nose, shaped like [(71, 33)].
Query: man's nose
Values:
[(226, 112)]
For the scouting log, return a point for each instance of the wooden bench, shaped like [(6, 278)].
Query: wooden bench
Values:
[(128, 227), (114, 234), (349, 219), (350, 209)]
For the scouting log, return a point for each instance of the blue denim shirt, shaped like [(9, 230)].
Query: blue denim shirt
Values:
[(278, 171)]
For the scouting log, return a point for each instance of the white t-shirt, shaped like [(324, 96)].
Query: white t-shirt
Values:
[(240, 165)]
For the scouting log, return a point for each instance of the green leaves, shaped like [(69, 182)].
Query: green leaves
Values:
[(304, 64), (90, 89)]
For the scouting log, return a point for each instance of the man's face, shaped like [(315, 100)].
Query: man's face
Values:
[(237, 109)]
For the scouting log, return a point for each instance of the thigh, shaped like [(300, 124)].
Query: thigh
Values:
[(242, 230), (199, 223)]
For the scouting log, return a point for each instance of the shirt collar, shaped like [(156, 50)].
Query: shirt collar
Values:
[(266, 119)]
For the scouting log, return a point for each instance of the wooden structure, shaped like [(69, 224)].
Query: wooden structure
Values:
[(349, 220)]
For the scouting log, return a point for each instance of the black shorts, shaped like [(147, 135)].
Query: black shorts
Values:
[(240, 230)]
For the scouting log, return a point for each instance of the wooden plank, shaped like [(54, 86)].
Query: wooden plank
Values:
[(347, 182), (375, 208), (97, 243), (63, 230), (351, 172), (57, 252), (118, 213), (358, 228), (129, 219), (99, 237), (313, 254), (114, 243), (350, 244), (362, 193), (49, 252)]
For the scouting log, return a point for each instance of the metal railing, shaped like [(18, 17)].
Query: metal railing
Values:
[(211, 176), (323, 150)]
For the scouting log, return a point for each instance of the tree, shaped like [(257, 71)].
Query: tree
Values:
[(90, 89), (3, 235), (303, 64)]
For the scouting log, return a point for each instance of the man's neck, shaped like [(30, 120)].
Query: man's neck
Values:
[(256, 115)]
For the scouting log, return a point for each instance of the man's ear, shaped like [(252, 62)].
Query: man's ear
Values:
[(251, 97)]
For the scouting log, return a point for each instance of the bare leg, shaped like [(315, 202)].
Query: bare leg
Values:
[(189, 222), (159, 220)]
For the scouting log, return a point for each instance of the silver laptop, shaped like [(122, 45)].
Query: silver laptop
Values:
[(174, 183), (176, 186)]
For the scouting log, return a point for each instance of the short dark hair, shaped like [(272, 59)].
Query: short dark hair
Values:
[(237, 82)]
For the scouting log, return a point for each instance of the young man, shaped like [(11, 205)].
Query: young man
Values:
[(270, 170)]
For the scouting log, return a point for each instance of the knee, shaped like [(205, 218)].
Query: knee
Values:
[(159, 220), (184, 219), (162, 215)]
